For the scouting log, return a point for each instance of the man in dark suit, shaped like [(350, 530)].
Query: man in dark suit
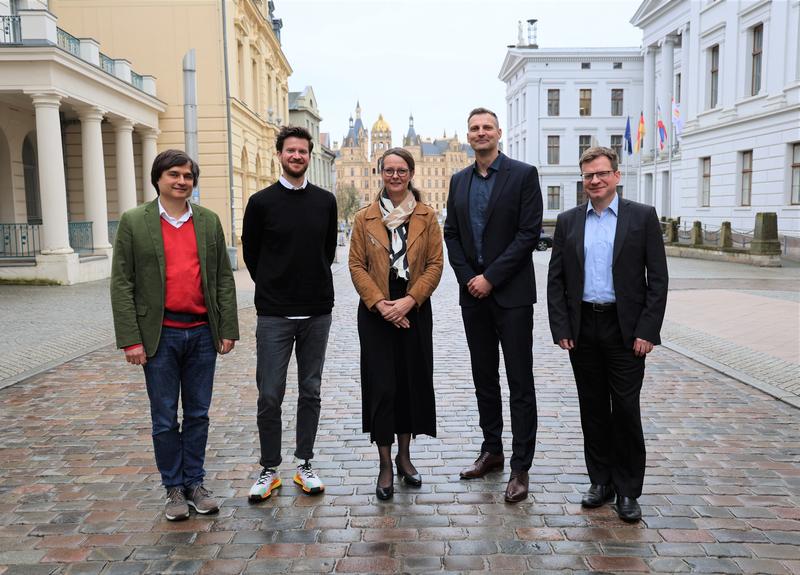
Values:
[(494, 216), (606, 295)]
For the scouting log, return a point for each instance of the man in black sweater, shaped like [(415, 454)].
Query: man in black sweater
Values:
[(289, 243)]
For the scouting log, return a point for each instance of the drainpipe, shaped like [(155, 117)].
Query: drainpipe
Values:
[(190, 112), (232, 247)]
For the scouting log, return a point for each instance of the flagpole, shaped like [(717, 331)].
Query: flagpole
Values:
[(668, 203)]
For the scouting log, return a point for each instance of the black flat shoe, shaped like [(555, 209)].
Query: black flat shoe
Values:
[(414, 480), (598, 495)]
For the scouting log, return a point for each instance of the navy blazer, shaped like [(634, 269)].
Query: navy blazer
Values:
[(638, 268), (513, 223)]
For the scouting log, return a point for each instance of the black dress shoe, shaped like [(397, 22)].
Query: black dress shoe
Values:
[(517, 488), (597, 495), (412, 479), (628, 509)]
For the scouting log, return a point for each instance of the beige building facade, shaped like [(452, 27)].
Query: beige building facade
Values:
[(78, 130), (436, 160), (238, 158)]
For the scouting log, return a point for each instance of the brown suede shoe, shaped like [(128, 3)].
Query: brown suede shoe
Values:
[(517, 489), (485, 463)]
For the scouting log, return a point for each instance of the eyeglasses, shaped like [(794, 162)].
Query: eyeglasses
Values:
[(389, 172), (601, 175)]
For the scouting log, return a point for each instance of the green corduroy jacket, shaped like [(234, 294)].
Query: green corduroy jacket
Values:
[(138, 280)]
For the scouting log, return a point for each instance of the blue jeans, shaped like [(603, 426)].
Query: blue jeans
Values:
[(275, 337), (183, 366)]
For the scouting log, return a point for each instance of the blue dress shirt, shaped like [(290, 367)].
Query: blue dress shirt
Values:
[(598, 253), (480, 190)]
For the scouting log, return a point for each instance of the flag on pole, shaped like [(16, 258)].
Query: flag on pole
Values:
[(628, 142), (677, 121), (639, 134), (662, 129)]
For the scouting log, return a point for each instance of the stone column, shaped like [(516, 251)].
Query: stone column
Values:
[(149, 153), (126, 173), (667, 80), (53, 187), (94, 175), (648, 97)]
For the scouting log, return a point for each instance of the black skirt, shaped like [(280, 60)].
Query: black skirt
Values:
[(397, 372)]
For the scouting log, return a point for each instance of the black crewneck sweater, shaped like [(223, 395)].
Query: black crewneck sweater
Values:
[(288, 244)]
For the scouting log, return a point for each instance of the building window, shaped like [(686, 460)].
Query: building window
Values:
[(757, 36), (713, 76), (585, 102), (705, 184), (616, 102), (616, 145), (795, 197), (619, 190), (553, 197), (617, 66), (580, 197), (586, 65), (553, 102), (553, 150), (584, 143), (747, 177)]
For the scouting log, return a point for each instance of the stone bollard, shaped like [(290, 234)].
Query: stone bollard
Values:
[(765, 238), (725, 237), (697, 234), (672, 232)]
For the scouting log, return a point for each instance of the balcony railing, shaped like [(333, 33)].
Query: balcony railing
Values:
[(68, 42), (136, 80), (80, 237), (106, 63), (10, 30), (19, 240), (112, 230)]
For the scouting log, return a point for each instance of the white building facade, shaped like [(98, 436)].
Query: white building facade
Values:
[(561, 102), (733, 69), (77, 138), (304, 112)]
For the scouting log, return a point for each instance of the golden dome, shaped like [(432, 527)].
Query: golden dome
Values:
[(381, 125)]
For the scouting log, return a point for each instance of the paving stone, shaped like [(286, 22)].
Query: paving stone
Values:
[(722, 492)]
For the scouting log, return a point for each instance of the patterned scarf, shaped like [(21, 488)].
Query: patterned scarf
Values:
[(395, 219)]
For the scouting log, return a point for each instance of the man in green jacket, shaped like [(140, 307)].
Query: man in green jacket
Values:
[(174, 303)]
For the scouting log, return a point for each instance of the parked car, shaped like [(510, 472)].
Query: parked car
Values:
[(545, 241)]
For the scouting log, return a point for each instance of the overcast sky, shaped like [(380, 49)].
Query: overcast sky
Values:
[(437, 59)]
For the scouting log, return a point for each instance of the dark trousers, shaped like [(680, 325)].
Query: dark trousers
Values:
[(609, 379), (275, 338), (486, 325), (182, 368)]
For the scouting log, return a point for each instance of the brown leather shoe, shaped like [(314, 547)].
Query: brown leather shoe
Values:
[(517, 489), (485, 463)]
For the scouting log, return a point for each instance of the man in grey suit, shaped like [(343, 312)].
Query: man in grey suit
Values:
[(606, 296)]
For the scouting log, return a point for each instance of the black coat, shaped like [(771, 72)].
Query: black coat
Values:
[(639, 270), (513, 223)]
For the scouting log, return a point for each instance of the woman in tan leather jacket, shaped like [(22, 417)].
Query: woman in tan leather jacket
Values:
[(396, 263)]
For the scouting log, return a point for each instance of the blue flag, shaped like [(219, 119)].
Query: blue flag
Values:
[(628, 142)]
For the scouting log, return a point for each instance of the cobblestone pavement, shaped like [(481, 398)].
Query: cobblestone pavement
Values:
[(79, 492)]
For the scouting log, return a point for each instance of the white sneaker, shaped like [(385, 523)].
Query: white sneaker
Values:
[(267, 481), (308, 479)]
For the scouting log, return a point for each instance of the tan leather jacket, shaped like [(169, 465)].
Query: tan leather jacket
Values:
[(369, 254)]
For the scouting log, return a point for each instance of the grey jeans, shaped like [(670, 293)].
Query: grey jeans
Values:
[(275, 337)]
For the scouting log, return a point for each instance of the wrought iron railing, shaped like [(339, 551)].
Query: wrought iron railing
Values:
[(80, 237), (69, 42), (106, 63), (112, 230), (10, 30), (19, 240), (136, 80)]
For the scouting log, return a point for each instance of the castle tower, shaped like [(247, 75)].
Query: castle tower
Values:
[(381, 138)]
